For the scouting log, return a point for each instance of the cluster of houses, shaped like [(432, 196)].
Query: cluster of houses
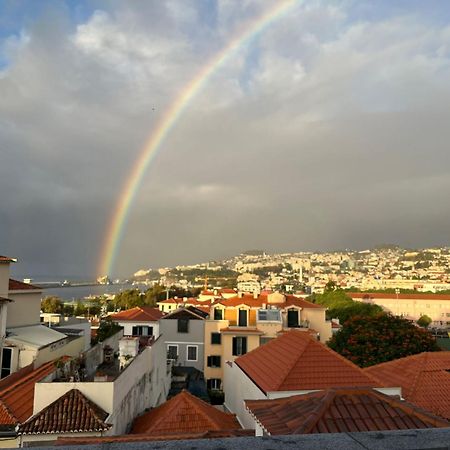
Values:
[(264, 352)]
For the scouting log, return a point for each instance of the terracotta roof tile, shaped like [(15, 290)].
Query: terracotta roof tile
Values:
[(6, 259), (424, 379), (184, 413), (138, 314), (338, 411), (258, 302), (17, 395), (16, 285), (296, 361), (190, 312), (71, 413)]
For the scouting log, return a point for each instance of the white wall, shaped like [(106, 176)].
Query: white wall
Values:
[(25, 309), (238, 387), (86, 327), (128, 327), (144, 383), (4, 280)]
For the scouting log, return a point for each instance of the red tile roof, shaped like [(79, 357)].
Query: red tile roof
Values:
[(184, 413), (71, 413), (382, 295), (138, 314), (15, 285), (296, 361), (17, 394), (6, 259), (261, 300), (424, 379), (340, 411)]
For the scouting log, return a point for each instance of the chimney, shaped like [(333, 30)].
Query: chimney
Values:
[(255, 294), (185, 299)]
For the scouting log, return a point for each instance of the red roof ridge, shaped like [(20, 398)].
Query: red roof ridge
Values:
[(16, 285), (208, 418), (79, 414), (339, 410)]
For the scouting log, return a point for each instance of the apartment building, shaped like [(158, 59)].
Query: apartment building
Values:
[(241, 324), (411, 306)]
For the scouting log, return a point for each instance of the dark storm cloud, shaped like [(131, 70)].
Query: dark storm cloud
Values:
[(325, 133)]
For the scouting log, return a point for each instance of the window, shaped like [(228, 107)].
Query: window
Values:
[(292, 318), (216, 338), (6, 362), (242, 318), (239, 345), (192, 353), (270, 315), (218, 314), (183, 325), (172, 351), (214, 384), (213, 361), (142, 330)]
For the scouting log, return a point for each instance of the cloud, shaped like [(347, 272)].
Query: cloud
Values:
[(328, 130)]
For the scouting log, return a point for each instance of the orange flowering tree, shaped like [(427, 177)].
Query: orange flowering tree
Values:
[(369, 340)]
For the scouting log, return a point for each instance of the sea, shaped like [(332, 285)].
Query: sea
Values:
[(74, 293)]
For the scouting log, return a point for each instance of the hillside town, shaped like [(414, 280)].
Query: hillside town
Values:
[(227, 363), (385, 267)]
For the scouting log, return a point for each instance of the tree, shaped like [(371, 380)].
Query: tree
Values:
[(369, 340), (79, 309), (52, 304), (330, 286), (424, 321), (106, 329), (342, 307)]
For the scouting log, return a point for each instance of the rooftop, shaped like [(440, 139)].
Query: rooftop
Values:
[(296, 361), (6, 259), (15, 285), (183, 414), (138, 314), (71, 413), (17, 393), (424, 379), (382, 295), (340, 410)]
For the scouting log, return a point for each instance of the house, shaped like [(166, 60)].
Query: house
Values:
[(183, 332), (71, 414), (424, 379), (242, 323), (17, 397), (184, 414), (171, 304), (294, 363), (122, 387), (25, 340), (412, 306), (139, 321), (338, 410), (182, 417)]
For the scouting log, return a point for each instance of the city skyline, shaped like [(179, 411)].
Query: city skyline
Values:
[(326, 130)]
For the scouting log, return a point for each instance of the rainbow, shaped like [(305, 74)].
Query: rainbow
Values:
[(168, 121)]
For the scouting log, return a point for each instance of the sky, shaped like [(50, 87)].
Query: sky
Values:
[(328, 130)]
